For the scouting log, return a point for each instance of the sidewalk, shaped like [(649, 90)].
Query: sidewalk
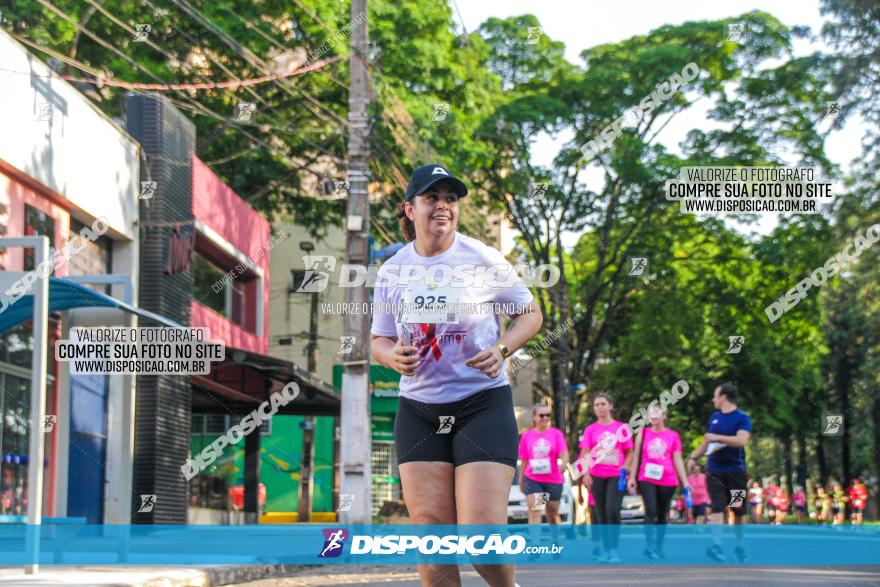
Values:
[(129, 576)]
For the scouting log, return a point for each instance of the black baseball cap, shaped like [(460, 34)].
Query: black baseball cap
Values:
[(427, 175)]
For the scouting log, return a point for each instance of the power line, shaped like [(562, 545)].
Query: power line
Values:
[(250, 57), (209, 84), (201, 108)]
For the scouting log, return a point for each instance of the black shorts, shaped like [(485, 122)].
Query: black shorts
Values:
[(554, 489), (480, 427), (698, 510), (720, 486)]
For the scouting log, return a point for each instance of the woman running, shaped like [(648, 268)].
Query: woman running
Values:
[(756, 502), (838, 504), (609, 452), (455, 432), (799, 498), (858, 499), (540, 449), (657, 458), (823, 505), (782, 504), (700, 493)]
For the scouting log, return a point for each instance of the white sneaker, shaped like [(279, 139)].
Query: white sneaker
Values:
[(614, 556)]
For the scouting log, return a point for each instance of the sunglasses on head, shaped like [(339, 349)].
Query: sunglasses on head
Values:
[(543, 415)]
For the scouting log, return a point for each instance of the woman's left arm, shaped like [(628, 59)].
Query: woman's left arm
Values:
[(522, 328), (679, 468)]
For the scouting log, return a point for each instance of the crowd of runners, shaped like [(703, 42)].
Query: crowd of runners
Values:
[(613, 463), (770, 502), (650, 465)]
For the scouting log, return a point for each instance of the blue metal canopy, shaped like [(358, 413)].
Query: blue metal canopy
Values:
[(65, 295)]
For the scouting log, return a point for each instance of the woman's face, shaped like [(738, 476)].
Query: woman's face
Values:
[(541, 417), (601, 407), (434, 213), (655, 415)]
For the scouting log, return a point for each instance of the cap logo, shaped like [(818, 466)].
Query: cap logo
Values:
[(439, 171)]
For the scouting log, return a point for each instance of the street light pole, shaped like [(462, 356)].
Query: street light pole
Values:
[(356, 434)]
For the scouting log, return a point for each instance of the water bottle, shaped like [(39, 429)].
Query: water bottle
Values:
[(621, 481), (687, 498)]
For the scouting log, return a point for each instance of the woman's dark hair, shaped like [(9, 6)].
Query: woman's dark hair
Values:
[(607, 397), (406, 225)]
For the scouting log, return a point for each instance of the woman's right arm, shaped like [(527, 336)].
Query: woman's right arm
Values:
[(392, 354)]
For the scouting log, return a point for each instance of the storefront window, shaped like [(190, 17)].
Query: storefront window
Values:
[(37, 223), (14, 437), (94, 259), (206, 274), (233, 297)]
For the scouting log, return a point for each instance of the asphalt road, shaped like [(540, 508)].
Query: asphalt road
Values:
[(551, 576)]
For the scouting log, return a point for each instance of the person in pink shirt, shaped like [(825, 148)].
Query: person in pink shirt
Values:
[(700, 495), (609, 444), (540, 449), (657, 459), (799, 498)]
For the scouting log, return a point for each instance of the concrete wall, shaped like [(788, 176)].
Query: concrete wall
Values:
[(77, 151), (291, 311), (241, 232)]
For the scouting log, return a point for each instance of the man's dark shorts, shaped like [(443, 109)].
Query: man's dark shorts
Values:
[(554, 489), (720, 486), (483, 429)]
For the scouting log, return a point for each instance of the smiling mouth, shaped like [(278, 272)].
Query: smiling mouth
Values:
[(441, 218)]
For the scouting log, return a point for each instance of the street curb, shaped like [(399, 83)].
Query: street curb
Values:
[(216, 577)]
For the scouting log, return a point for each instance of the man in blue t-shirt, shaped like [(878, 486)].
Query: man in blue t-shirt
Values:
[(729, 431)]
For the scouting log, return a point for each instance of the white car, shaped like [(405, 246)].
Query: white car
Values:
[(632, 510), (518, 509)]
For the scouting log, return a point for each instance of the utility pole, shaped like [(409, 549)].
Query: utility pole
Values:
[(304, 504), (356, 433)]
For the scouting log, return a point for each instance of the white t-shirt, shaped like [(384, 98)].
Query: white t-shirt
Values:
[(468, 277)]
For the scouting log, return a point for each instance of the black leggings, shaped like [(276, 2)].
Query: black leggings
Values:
[(608, 500), (656, 498)]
